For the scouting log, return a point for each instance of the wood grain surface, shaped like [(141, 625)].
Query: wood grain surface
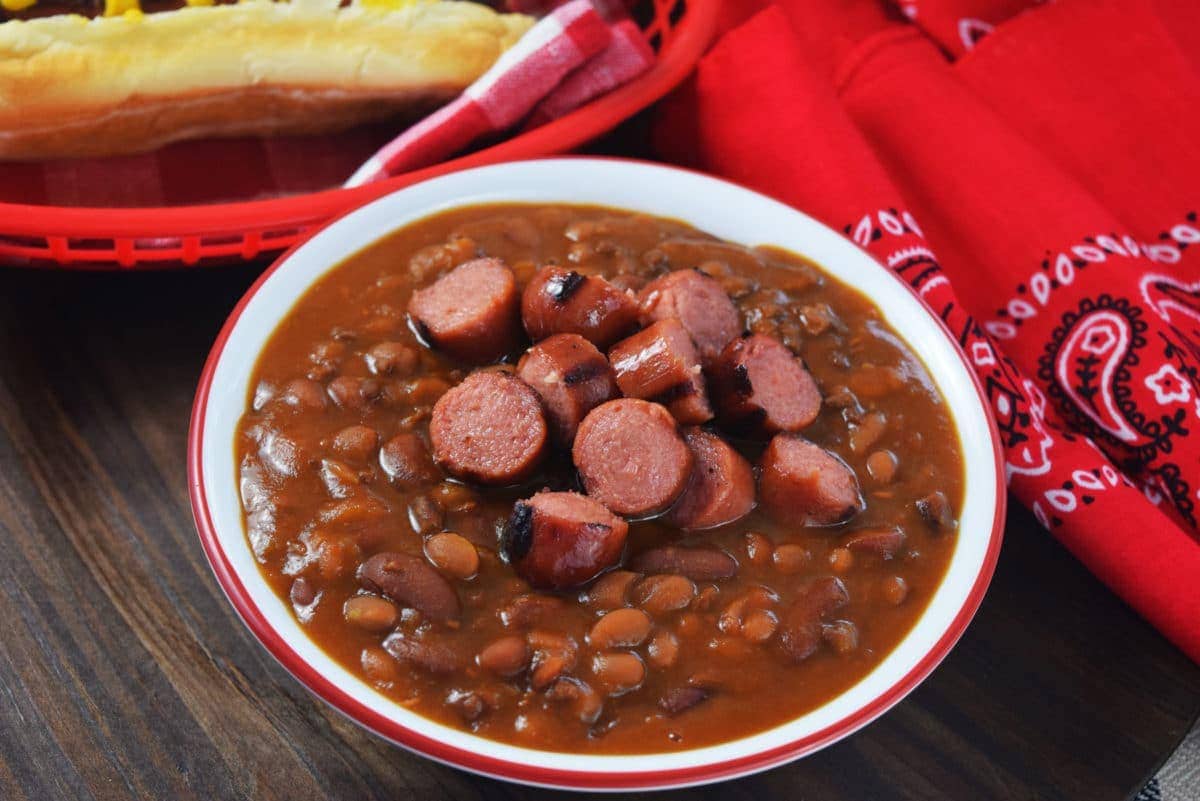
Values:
[(124, 673)]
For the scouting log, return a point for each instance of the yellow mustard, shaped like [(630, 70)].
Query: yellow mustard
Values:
[(115, 8), (16, 5)]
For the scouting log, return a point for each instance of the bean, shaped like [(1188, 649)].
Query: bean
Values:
[(456, 497), (339, 478), (425, 515), (883, 542), (706, 598), (392, 359), (731, 618), (334, 554), (618, 672), (453, 554), (426, 391), (411, 582), (585, 702), (470, 705), (759, 625), (698, 564), (759, 549), (664, 593), (733, 649), (935, 509), (327, 352), (554, 655), (379, 665), (303, 393), (370, 613), (875, 381), (610, 590), (817, 318), (800, 624), (620, 627), (662, 650), (356, 443), (865, 434), (841, 559), (302, 593), (881, 466), (842, 636), (352, 393), (406, 460), (506, 656), (790, 558), (895, 590), (532, 609), (434, 657), (681, 699)]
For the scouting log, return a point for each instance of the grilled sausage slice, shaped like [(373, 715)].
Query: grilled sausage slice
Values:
[(803, 484), (631, 457), (571, 377), (722, 486), (758, 385), (560, 301), (556, 540), (471, 312), (489, 429), (699, 303), (660, 364)]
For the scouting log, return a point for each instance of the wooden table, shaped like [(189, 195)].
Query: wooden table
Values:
[(125, 673)]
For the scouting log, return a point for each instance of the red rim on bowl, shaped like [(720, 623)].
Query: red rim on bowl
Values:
[(243, 602)]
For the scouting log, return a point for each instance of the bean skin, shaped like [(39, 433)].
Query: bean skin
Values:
[(370, 613), (453, 554), (620, 627), (506, 656), (800, 628), (411, 582)]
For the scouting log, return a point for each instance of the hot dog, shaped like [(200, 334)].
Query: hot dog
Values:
[(130, 79)]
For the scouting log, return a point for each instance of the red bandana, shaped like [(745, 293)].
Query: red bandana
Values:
[(1033, 177)]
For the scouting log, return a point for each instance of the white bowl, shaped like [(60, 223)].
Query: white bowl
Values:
[(720, 208)]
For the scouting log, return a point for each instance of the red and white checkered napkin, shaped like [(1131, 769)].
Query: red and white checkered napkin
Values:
[(627, 56), (566, 59)]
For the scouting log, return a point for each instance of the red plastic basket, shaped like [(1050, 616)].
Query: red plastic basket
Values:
[(139, 236)]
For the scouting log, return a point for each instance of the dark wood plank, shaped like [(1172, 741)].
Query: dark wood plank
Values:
[(124, 673)]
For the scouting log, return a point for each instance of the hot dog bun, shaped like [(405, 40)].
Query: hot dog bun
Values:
[(72, 86)]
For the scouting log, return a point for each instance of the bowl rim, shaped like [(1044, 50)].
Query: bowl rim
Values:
[(231, 582)]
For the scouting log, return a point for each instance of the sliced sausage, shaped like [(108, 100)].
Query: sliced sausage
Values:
[(489, 429), (410, 581), (699, 564), (471, 312), (631, 457), (800, 627), (560, 301), (571, 377), (556, 540), (406, 460), (722, 486), (757, 384), (803, 484), (660, 364), (699, 303)]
